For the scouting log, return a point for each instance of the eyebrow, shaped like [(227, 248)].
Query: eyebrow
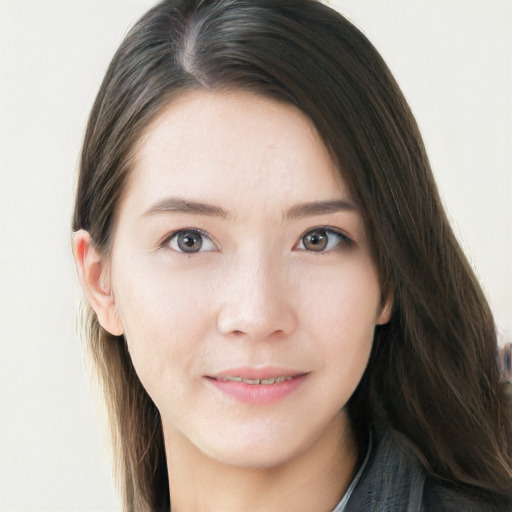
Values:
[(320, 208), (179, 205)]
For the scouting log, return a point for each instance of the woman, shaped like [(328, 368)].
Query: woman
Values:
[(280, 315)]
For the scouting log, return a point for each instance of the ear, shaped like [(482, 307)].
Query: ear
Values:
[(385, 313), (92, 270)]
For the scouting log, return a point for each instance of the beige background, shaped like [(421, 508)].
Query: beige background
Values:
[(453, 59)]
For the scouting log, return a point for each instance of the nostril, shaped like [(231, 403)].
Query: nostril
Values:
[(256, 317)]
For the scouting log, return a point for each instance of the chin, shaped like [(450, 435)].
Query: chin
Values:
[(256, 458), (258, 452)]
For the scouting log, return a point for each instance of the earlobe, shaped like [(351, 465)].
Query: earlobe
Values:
[(385, 313), (92, 270)]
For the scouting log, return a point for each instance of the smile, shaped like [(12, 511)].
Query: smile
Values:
[(258, 386), (272, 380)]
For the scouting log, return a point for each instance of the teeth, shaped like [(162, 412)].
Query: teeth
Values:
[(272, 380)]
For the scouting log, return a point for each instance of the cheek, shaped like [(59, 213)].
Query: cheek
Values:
[(341, 308), (345, 298), (159, 313)]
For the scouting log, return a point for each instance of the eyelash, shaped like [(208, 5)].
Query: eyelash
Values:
[(172, 241), (343, 239)]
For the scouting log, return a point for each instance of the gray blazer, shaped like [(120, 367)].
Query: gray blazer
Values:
[(394, 480)]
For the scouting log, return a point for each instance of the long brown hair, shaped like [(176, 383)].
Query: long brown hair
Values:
[(433, 373)]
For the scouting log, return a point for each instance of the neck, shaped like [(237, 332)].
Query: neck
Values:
[(316, 479)]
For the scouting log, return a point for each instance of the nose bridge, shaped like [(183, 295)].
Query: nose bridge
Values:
[(256, 300)]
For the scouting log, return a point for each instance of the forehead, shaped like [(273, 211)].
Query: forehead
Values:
[(227, 146)]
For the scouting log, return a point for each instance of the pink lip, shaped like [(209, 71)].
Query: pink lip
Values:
[(267, 372), (258, 393)]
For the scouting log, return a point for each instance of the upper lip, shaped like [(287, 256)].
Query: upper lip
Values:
[(267, 372)]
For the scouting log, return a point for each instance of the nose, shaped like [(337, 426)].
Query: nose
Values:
[(256, 300)]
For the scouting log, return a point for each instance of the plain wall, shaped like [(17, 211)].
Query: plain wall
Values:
[(453, 60)]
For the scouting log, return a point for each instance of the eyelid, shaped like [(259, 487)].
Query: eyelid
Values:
[(166, 241), (345, 239)]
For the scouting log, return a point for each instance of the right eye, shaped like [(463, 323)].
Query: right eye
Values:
[(190, 241)]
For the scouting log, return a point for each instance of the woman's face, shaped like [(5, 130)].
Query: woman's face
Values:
[(238, 253)]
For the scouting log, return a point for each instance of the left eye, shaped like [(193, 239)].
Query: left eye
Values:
[(191, 241), (322, 240)]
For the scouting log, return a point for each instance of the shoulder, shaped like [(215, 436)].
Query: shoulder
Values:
[(395, 479), (441, 496), (392, 479)]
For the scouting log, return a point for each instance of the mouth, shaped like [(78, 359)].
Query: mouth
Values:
[(258, 386), (265, 382)]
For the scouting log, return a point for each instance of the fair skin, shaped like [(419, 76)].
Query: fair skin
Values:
[(239, 253)]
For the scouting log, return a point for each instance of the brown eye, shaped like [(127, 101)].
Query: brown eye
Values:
[(315, 240), (191, 241), (323, 240)]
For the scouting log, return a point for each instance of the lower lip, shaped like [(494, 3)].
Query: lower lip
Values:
[(258, 393)]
